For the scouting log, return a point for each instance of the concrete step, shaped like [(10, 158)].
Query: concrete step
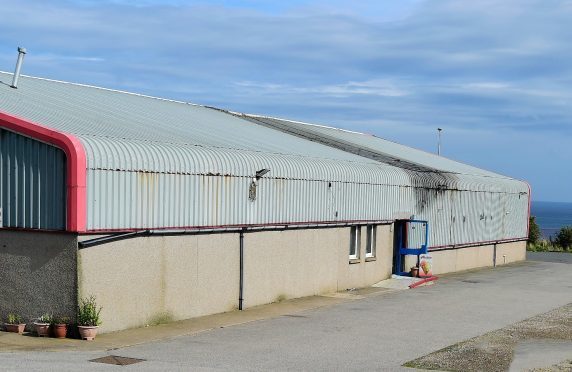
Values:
[(404, 282)]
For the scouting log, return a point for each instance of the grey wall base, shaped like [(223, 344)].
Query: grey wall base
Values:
[(38, 274)]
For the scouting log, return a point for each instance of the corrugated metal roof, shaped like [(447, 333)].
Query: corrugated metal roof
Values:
[(133, 132), (423, 169), (370, 146), (96, 114)]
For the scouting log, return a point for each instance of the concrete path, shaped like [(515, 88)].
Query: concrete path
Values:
[(376, 332)]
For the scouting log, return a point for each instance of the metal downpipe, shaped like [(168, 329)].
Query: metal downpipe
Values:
[(241, 280)]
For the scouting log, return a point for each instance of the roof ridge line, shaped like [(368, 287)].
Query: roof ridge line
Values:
[(106, 89), (302, 122)]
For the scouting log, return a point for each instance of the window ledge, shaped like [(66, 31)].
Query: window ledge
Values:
[(370, 259), (354, 261)]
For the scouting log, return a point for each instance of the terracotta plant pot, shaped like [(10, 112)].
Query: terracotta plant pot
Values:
[(15, 328), (42, 329), (414, 272), (87, 332), (60, 330)]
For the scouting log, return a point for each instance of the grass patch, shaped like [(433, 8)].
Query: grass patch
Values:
[(161, 318), (280, 298), (546, 246)]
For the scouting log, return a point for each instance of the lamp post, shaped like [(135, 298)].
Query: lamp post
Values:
[(439, 141)]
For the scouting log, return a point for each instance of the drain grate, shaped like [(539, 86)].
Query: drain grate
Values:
[(117, 360)]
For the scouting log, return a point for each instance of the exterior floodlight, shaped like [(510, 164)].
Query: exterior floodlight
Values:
[(252, 188), (261, 173)]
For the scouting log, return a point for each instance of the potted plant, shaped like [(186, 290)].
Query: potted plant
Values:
[(42, 325), (60, 326), (14, 323), (88, 318)]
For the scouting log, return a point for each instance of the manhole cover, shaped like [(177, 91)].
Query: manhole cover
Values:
[(117, 360)]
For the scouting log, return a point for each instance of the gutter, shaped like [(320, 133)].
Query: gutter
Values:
[(219, 230)]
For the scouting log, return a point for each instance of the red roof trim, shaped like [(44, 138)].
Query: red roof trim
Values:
[(529, 207), (76, 164)]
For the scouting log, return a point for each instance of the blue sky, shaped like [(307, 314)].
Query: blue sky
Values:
[(495, 75)]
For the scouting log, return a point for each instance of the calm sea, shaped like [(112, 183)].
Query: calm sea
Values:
[(551, 216)]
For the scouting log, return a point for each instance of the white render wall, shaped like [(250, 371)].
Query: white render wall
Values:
[(145, 280)]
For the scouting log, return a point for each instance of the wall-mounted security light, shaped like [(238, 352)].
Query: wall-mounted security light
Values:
[(253, 184), (261, 173)]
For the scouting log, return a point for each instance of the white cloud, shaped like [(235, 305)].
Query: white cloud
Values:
[(62, 57), (348, 89)]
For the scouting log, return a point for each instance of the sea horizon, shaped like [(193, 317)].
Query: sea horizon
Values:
[(551, 216)]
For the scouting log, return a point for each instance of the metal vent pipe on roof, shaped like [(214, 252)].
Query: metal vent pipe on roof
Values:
[(21, 52)]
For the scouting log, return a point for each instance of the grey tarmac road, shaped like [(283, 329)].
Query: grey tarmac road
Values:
[(378, 332)]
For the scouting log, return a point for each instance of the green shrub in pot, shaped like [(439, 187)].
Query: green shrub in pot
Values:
[(88, 318)]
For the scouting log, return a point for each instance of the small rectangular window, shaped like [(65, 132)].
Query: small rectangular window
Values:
[(355, 239), (371, 238)]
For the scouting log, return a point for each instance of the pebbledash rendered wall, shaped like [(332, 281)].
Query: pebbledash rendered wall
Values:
[(149, 279), (38, 273)]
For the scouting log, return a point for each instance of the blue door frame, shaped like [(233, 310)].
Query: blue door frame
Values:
[(402, 244)]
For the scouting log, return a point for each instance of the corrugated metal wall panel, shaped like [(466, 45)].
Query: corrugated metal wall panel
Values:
[(458, 218), (514, 218), (32, 183), (157, 200), (152, 157)]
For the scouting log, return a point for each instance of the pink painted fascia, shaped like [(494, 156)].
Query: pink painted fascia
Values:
[(76, 164), (529, 208)]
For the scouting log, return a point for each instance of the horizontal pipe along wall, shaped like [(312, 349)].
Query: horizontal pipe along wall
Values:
[(466, 258)]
